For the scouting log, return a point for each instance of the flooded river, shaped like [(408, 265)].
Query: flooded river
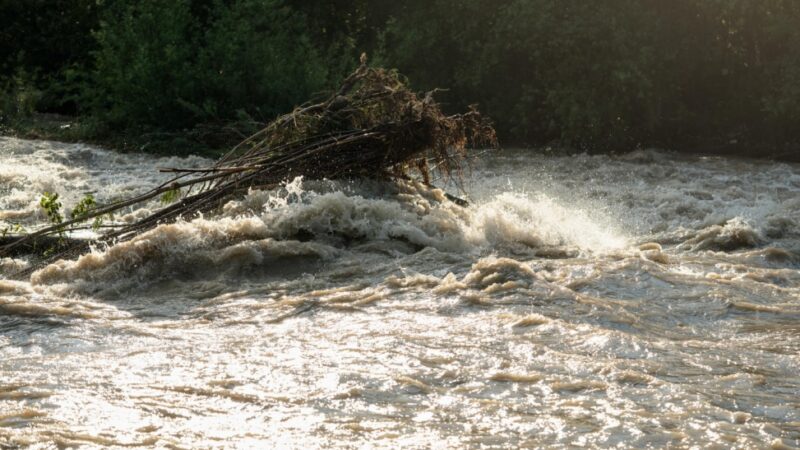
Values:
[(648, 300)]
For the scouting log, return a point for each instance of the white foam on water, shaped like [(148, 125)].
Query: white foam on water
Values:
[(646, 300)]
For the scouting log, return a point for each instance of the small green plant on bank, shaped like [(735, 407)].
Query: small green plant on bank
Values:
[(13, 228), (52, 207), (170, 196), (85, 207)]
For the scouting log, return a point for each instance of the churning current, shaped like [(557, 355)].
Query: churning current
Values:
[(647, 300)]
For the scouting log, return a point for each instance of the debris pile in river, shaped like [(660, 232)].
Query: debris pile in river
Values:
[(372, 126)]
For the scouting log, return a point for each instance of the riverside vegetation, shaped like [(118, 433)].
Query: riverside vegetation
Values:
[(199, 75), (321, 293)]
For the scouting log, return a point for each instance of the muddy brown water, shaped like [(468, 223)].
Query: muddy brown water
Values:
[(648, 300)]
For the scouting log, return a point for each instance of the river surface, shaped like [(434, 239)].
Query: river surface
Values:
[(649, 300)]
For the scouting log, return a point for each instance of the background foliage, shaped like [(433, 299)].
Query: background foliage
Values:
[(699, 75)]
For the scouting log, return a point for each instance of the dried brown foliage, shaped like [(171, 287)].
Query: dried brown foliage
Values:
[(373, 126), (377, 126)]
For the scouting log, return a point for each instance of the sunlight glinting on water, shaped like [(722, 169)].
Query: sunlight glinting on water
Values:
[(639, 300)]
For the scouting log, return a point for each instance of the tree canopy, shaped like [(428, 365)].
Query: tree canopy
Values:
[(599, 76)]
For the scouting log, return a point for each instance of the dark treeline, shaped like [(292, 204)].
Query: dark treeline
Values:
[(596, 75)]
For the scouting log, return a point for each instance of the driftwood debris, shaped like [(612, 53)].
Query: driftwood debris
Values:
[(37, 246), (372, 126)]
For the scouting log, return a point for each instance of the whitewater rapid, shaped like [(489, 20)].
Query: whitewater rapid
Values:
[(643, 300)]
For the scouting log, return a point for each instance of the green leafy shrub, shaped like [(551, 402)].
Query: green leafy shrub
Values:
[(52, 207)]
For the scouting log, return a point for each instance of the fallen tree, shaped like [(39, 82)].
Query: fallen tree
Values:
[(372, 126)]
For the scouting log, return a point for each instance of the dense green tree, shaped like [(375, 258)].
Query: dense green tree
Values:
[(165, 64), (145, 66), (257, 57)]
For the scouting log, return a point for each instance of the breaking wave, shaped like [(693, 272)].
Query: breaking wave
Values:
[(320, 221)]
